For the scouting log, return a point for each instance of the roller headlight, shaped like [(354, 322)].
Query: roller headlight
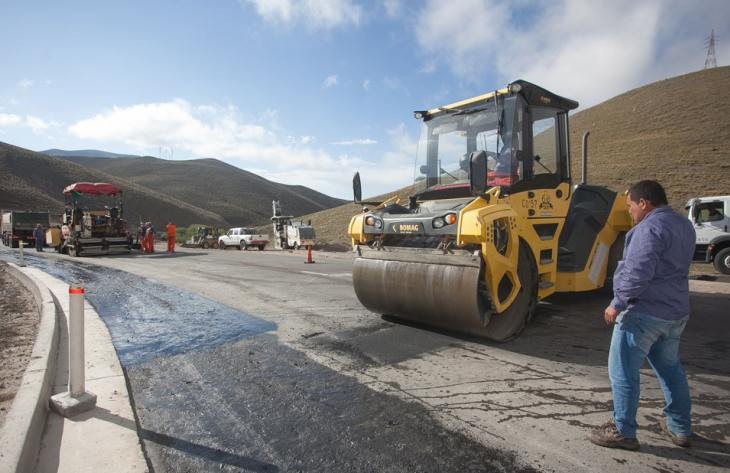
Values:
[(440, 222), (373, 222)]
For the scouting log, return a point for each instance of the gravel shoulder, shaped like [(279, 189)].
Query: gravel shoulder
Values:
[(18, 328)]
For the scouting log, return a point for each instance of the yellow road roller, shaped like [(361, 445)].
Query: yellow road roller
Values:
[(495, 223)]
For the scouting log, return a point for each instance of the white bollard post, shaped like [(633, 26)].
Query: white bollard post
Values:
[(76, 375), (76, 400), (21, 243)]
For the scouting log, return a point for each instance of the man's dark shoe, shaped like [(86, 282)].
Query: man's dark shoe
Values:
[(608, 435), (678, 440)]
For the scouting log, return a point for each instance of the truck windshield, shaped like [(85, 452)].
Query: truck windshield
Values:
[(448, 140)]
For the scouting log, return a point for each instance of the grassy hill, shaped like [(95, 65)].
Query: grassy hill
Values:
[(239, 197), (34, 181), (675, 131)]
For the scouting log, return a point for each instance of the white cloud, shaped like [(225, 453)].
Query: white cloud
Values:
[(398, 162), (392, 82), (589, 51), (37, 125), (356, 142), (392, 8), (25, 84), (315, 14), (330, 81), (366, 84), (7, 119), (220, 132)]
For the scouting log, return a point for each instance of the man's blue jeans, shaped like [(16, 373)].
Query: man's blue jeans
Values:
[(637, 336)]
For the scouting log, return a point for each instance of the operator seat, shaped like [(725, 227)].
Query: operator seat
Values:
[(588, 213)]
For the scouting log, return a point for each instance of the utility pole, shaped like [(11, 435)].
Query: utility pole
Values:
[(711, 60)]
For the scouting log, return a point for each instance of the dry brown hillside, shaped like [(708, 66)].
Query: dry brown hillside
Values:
[(34, 181), (676, 131), (239, 196)]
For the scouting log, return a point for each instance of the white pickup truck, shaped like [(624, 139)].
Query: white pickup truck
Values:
[(243, 238), (711, 218)]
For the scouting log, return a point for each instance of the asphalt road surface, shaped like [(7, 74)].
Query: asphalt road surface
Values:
[(255, 361)]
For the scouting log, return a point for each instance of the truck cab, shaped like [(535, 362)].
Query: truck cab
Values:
[(711, 219)]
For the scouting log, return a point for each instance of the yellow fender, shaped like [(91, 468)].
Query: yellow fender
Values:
[(494, 227)]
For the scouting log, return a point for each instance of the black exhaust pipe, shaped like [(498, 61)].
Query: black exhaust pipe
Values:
[(584, 170)]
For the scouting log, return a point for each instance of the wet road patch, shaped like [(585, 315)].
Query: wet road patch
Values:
[(147, 319), (257, 405)]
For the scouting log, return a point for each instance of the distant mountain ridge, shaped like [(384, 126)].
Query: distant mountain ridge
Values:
[(35, 181), (89, 153), (239, 196), (197, 191)]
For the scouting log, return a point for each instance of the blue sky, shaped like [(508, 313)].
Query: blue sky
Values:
[(306, 92)]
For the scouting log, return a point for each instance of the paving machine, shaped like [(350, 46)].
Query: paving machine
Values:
[(495, 224), (93, 216)]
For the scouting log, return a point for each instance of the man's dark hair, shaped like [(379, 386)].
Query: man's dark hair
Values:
[(649, 190)]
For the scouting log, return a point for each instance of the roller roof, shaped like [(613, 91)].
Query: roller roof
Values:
[(92, 188)]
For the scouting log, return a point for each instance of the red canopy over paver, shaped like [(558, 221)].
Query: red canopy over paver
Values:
[(92, 188)]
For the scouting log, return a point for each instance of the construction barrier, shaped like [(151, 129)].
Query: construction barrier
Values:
[(309, 255)]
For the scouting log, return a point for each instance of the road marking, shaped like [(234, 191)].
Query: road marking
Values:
[(333, 275)]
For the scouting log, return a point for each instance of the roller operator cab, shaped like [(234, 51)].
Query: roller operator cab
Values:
[(494, 225)]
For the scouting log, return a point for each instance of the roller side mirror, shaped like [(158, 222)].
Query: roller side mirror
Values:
[(357, 187), (478, 173)]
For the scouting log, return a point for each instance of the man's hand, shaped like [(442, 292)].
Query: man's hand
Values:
[(610, 315)]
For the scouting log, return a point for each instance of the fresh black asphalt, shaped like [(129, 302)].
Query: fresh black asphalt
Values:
[(214, 390)]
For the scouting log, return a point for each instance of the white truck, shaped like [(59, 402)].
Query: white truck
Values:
[(243, 238), (711, 218)]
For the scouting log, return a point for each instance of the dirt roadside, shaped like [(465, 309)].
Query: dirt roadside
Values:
[(18, 328)]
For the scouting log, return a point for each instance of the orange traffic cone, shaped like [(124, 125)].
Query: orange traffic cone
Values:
[(309, 254)]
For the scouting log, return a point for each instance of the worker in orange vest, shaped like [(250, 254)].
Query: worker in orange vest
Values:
[(149, 238), (171, 234)]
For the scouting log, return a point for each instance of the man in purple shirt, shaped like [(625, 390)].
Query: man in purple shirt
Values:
[(650, 309)]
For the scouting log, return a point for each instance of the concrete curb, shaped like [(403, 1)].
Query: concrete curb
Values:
[(21, 433)]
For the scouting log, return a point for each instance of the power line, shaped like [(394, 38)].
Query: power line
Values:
[(711, 60)]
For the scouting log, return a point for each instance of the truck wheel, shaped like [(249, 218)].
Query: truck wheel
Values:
[(261, 247), (221, 246), (722, 261), (205, 245), (242, 246)]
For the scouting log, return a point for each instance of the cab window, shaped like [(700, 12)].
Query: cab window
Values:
[(710, 212), (545, 141)]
